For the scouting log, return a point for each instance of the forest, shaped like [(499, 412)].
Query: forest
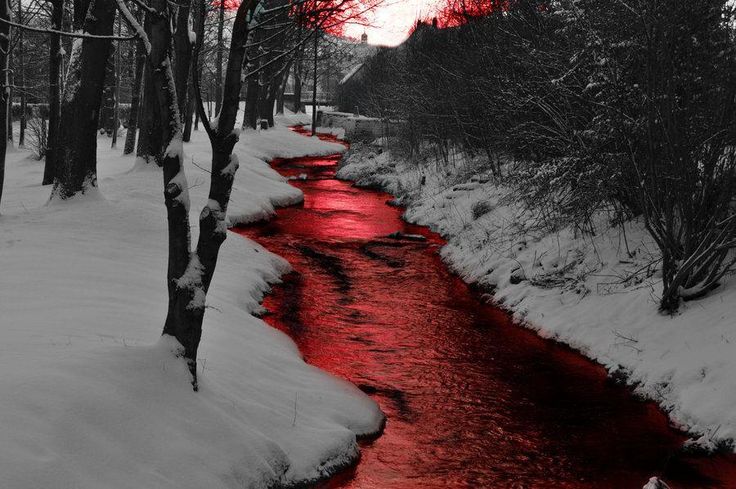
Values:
[(616, 107)]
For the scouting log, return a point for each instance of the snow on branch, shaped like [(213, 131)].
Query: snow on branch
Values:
[(83, 35), (134, 24)]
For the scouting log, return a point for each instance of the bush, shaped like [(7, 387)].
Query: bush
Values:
[(628, 108), (37, 136)]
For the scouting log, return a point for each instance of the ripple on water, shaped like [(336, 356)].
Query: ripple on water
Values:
[(472, 400)]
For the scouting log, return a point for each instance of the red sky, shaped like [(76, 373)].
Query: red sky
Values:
[(391, 22)]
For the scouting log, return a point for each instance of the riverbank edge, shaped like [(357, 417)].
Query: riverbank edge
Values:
[(332, 466), (122, 218), (384, 173)]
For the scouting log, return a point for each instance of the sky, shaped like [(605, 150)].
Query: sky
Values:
[(392, 21)]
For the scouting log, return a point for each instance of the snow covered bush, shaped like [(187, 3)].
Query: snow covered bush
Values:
[(603, 107)]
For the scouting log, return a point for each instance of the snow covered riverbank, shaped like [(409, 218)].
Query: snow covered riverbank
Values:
[(93, 398), (597, 294)]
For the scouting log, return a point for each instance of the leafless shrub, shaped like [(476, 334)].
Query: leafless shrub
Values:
[(37, 136)]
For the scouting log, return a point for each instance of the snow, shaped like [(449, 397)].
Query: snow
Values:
[(231, 167), (93, 395), (588, 292), (135, 25)]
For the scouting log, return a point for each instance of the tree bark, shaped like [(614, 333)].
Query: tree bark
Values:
[(149, 139), (189, 115), (250, 118), (80, 108), (22, 68), (55, 60), (282, 89), (298, 68), (107, 108), (4, 46), (220, 48), (182, 57), (314, 87), (265, 107), (140, 62), (116, 107)]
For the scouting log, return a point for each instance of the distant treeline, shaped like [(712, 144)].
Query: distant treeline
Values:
[(602, 106), (42, 110)]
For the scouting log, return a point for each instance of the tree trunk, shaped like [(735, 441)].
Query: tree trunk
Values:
[(182, 57), (55, 60), (116, 108), (250, 118), (298, 66), (314, 87), (186, 304), (80, 109), (140, 61), (265, 107), (218, 66), (276, 91), (190, 273), (282, 89), (4, 46), (149, 140), (107, 108), (188, 116), (9, 106), (23, 90)]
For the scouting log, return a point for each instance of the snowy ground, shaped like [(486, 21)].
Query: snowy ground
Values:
[(92, 397), (589, 292)]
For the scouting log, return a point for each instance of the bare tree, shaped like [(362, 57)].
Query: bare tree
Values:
[(4, 120), (77, 149), (133, 116), (55, 59)]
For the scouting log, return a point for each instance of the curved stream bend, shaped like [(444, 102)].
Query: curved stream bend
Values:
[(472, 400)]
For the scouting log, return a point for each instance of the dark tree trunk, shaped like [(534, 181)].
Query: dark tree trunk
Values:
[(250, 118), (189, 115), (182, 57), (149, 139), (4, 46), (80, 109), (116, 93), (298, 108), (276, 92), (24, 89), (9, 106), (265, 107), (220, 49), (314, 87), (107, 108), (282, 89), (140, 61), (55, 59), (280, 103)]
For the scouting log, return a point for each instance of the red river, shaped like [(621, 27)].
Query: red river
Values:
[(472, 399)]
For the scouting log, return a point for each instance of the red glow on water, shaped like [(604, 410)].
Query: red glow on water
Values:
[(472, 399)]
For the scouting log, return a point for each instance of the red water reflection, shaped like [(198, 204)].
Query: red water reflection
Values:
[(472, 400)]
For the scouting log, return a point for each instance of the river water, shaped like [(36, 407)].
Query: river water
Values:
[(472, 399)]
